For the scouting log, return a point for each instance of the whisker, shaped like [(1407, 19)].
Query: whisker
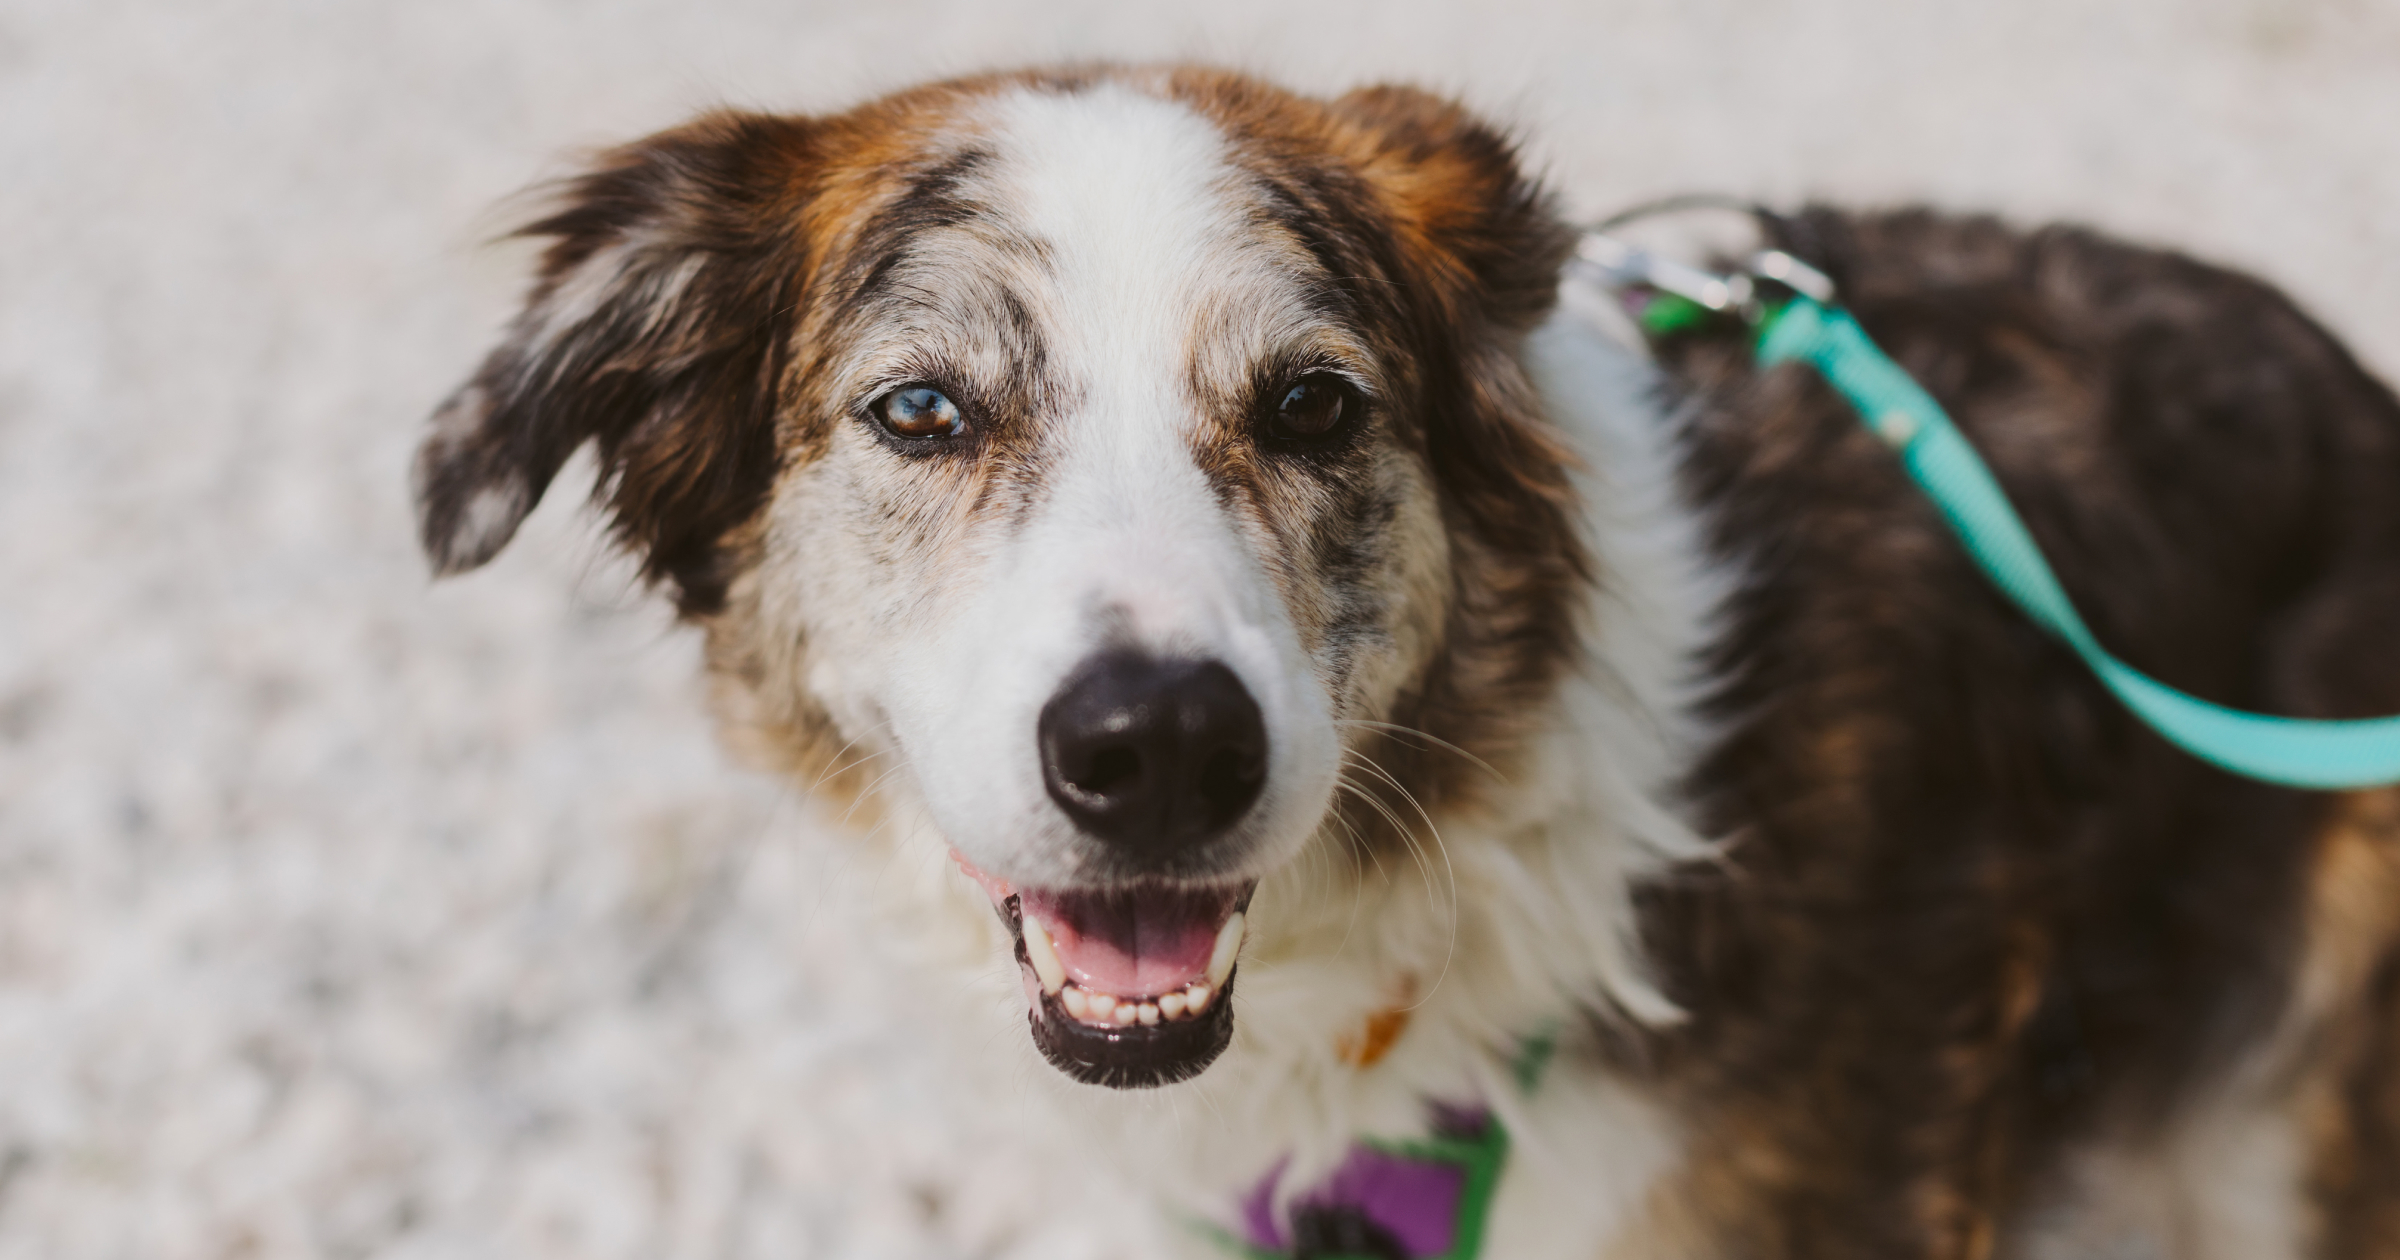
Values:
[(1416, 851), (1432, 741), (1400, 828), (1357, 841), (869, 790), (1358, 891), (834, 769), (1449, 870), (1407, 834)]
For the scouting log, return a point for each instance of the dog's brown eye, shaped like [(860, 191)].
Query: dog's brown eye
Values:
[(1313, 409), (918, 412)]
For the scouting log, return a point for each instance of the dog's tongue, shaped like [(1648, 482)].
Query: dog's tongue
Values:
[(1131, 943)]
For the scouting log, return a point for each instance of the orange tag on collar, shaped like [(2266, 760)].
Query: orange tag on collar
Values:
[(1379, 1031)]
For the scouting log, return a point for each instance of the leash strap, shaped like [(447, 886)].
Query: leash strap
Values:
[(2290, 751)]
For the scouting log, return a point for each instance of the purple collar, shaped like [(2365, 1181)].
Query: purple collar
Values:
[(1421, 1200)]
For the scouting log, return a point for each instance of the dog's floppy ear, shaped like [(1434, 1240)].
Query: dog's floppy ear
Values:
[(1463, 200), (657, 328)]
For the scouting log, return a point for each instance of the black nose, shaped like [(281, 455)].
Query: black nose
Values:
[(1153, 756)]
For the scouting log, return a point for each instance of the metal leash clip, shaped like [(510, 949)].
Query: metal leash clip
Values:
[(1625, 268)]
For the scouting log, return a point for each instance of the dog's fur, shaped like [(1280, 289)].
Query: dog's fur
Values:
[(1663, 714)]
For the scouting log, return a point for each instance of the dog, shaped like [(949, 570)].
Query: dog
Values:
[(1357, 687)]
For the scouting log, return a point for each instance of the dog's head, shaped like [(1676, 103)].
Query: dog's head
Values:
[(1131, 469)]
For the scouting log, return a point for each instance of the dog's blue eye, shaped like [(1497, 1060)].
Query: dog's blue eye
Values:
[(919, 412)]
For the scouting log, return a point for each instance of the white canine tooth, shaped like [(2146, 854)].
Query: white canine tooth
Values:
[(1229, 943), (1043, 955), (1149, 1014), (1196, 998), (1171, 1006), (1127, 1012), (1100, 1008), (1078, 1005)]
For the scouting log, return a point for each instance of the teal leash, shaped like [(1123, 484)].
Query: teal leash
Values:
[(1806, 328)]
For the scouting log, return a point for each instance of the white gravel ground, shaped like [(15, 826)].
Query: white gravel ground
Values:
[(342, 914)]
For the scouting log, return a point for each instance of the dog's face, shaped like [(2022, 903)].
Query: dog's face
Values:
[(1112, 464)]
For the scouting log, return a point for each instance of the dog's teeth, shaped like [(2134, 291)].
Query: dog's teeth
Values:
[(1107, 1010), (1229, 943), (1043, 955)]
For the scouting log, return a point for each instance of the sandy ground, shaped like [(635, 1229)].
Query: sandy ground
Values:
[(342, 914)]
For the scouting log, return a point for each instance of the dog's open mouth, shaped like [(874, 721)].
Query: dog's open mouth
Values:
[(1127, 987)]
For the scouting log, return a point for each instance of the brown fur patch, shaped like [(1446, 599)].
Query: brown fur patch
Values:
[(2348, 1051)]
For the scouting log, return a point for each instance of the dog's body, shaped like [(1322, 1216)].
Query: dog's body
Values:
[(1185, 505)]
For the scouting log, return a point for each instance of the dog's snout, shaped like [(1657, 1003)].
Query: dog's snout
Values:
[(1153, 756)]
